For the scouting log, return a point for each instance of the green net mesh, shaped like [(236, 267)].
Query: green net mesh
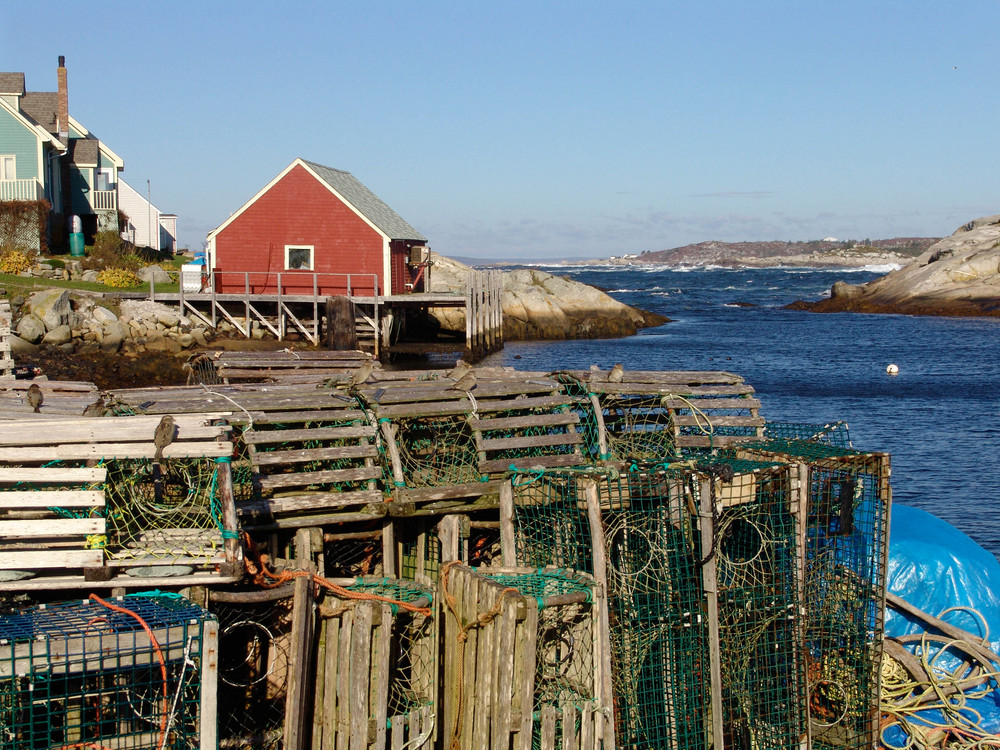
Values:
[(835, 433), (756, 554), (846, 539), (164, 512), (437, 451), (658, 636), (81, 675)]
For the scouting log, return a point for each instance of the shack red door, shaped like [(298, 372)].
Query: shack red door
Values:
[(298, 229)]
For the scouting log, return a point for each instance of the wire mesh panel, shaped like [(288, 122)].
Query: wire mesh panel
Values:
[(377, 670), (757, 569), (833, 433), (436, 451), (254, 646), (89, 674), (658, 623), (658, 635), (525, 663), (168, 517), (846, 546)]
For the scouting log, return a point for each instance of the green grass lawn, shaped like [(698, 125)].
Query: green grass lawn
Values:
[(13, 284)]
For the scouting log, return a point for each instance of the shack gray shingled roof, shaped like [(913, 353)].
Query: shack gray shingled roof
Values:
[(11, 83), (369, 204)]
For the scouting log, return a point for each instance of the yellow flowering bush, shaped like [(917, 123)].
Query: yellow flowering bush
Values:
[(15, 261), (117, 277)]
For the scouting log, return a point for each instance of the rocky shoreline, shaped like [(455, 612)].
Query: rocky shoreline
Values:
[(957, 276)]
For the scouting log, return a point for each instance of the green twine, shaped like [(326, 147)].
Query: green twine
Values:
[(157, 594)]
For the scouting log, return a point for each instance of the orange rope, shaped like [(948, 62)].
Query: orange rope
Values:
[(159, 655), (263, 576)]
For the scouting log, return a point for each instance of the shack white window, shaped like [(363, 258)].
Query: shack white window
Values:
[(299, 257), (8, 167)]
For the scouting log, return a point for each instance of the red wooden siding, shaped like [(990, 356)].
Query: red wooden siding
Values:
[(298, 210)]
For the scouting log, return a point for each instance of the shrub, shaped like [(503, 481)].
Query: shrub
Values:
[(118, 277), (14, 260)]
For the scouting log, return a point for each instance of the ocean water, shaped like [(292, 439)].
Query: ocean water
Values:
[(939, 418)]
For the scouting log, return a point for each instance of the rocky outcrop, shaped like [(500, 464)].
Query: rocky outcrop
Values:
[(959, 275), (81, 325), (538, 305)]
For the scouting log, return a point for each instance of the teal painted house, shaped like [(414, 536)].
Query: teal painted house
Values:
[(46, 155)]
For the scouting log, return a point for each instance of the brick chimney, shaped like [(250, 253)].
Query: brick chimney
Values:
[(63, 113), (62, 124)]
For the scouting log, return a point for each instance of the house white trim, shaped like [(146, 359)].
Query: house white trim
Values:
[(312, 257)]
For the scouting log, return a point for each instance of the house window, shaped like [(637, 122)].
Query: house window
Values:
[(299, 257), (105, 179), (8, 167)]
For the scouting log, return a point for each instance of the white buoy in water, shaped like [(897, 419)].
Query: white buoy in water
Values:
[(892, 370)]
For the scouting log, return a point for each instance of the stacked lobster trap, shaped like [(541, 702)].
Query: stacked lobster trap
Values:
[(137, 672), (845, 549), (713, 571), (526, 659)]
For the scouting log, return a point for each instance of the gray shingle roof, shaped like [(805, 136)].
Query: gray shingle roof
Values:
[(84, 151), (11, 83), (367, 203), (42, 107)]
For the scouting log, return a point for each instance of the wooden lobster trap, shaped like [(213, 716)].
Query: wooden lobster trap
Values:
[(526, 659)]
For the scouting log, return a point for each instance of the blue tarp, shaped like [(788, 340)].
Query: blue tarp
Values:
[(934, 566)]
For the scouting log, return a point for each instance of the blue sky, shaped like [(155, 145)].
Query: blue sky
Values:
[(527, 130)]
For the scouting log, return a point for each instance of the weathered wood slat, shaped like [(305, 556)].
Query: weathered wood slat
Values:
[(109, 430), (528, 441), (50, 558), (305, 455), (51, 499), (713, 420), (680, 389), (312, 501), (52, 527), (501, 465), (711, 441), (327, 414), (83, 451), (450, 492), (53, 474), (302, 478), (259, 437), (526, 421)]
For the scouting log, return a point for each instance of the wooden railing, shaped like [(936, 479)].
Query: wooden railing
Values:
[(104, 200), (293, 283), (21, 190)]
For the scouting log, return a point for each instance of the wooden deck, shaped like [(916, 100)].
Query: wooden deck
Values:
[(376, 316)]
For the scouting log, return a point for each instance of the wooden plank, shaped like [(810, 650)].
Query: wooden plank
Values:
[(299, 667), (256, 437), (303, 478), (85, 451), (526, 421), (656, 389), (716, 420), (548, 731), (505, 685), (108, 430), (528, 441), (51, 499), (306, 455), (42, 559), (548, 462), (526, 643), (382, 644), (311, 501), (344, 680), (53, 474), (450, 492), (330, 413), (331, 668), (360, 654), (52, 527)]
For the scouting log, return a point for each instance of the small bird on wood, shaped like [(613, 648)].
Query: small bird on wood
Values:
[(461, 367), (35, 397), (465, 383), (163, 436), (617, 373), (361, 375)]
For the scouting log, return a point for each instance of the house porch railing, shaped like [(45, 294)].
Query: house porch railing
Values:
[(21, 190), (104, 200)]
